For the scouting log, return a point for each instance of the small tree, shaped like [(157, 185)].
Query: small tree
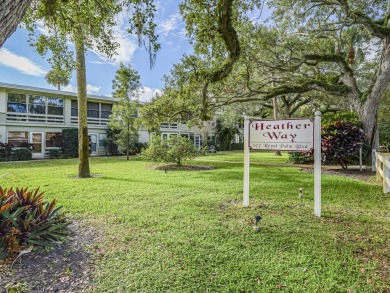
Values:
[(174, 150), (123, 118)]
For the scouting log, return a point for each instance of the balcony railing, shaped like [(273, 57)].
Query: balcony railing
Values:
[(92, 121), (166, 125), (34, 118)]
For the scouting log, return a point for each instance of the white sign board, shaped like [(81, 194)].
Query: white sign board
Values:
[(294, 135)]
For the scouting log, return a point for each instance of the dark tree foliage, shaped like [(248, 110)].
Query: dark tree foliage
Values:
[(384, 136), (70, 143)]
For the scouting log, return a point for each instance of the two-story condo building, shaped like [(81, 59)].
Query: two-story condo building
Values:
[(36, 115)]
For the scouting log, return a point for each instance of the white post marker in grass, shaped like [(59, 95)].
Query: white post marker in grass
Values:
[(317, 164), (293, 135), (246, 161)]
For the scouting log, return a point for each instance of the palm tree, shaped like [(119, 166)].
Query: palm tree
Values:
[(58, 77)]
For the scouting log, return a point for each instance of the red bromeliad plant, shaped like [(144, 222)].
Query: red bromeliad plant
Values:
[(26, 219), (341, 141)]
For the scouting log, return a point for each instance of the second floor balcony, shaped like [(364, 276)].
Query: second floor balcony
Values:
[(34, 118), (102, 122)]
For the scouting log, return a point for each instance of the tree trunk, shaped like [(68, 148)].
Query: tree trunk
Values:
[(84, 171), (369, 116), (368, 112), (275, 104), (127, 141), (11, 13)]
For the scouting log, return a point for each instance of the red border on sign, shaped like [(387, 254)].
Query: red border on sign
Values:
[(290, 119)]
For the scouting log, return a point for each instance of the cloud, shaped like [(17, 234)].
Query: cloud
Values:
[(127, 43), (42, 28), (69, 88), (91, 89), (97, 62), (165, 27), (147, 93), (20, 63)]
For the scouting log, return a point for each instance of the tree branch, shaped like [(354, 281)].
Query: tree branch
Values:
[(230, 38)]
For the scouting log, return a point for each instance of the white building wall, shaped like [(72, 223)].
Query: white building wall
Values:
[(67, 111), (98, 129), (23, 125), (143, 136), (3, 109)]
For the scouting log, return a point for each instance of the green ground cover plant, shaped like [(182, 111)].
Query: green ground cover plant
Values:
[(186, 231)]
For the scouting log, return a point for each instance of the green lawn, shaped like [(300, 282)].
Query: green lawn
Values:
[(255, 156), (186, 231)]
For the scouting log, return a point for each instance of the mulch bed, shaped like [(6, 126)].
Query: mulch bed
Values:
[(167, 168), (66, 268), (364, 175)]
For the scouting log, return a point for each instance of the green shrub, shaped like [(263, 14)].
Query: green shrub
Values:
[(341, 116), (221, 147), (300, 158), (236, 146), (137, 147), (174, 150), (110, 146), (26, 219), (230, 146), (22, 154), (384, 136), (341, 141), (70, 144), (54, 153), (5, 151)]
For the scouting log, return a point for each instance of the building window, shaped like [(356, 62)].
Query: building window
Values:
[(17, 103), (74, 109), (53, 139), (102, 139), (37, 105), (18, 138), (55, 106), (92, 142), (211, 138), (93, 110), (105, 111)]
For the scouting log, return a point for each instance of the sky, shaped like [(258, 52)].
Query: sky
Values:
[(20, 64)]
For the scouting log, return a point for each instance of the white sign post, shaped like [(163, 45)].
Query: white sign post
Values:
[(317, 164), (246, 161), (293, 135)]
